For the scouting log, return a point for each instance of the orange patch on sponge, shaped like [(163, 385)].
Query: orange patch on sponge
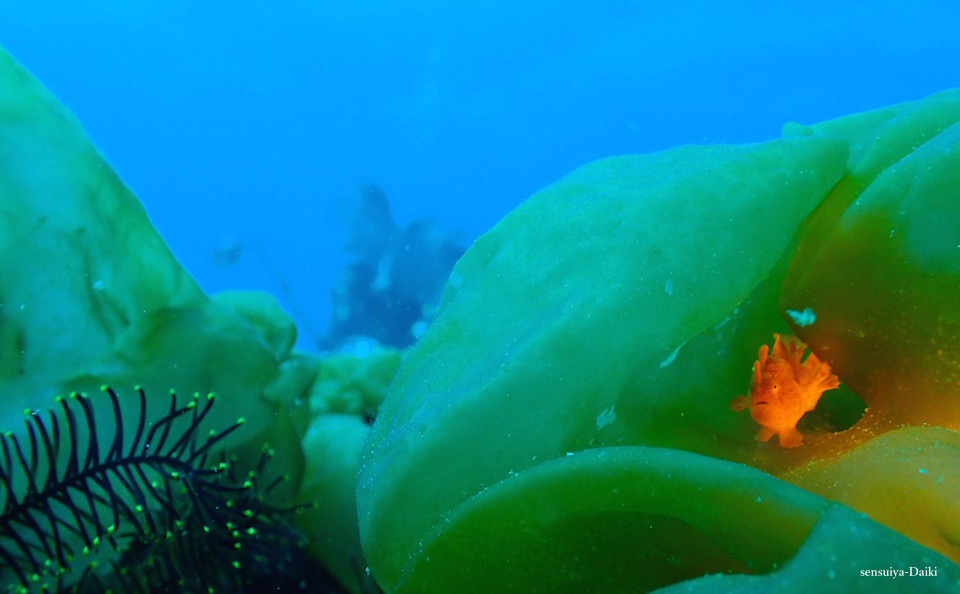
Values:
[(784, 388)]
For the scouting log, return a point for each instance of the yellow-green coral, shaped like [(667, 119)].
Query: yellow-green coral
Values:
[(332, 446), (354, 382), (906, 479)]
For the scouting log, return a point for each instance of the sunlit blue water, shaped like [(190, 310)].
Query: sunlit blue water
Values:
[(249, 124)]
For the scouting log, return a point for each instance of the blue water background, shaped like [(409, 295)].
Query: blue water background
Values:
[(249, 124)]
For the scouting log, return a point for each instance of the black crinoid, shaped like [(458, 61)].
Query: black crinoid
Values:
[(91, 505)]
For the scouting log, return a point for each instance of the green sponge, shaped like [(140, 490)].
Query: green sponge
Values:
[(90, 294), (563, 425), (557, 326)]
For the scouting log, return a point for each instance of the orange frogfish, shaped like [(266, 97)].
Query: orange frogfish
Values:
[(784, 388)]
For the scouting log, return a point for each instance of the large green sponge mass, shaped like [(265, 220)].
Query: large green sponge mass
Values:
[(556, 323), (883, 271), (563, 426), (90, 293)]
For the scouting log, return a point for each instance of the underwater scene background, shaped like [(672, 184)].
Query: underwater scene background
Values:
[(243, 125), (426, 297)]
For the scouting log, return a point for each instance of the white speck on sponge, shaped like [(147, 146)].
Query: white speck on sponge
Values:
[(606, 417), (802, 318), (672, 356)]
